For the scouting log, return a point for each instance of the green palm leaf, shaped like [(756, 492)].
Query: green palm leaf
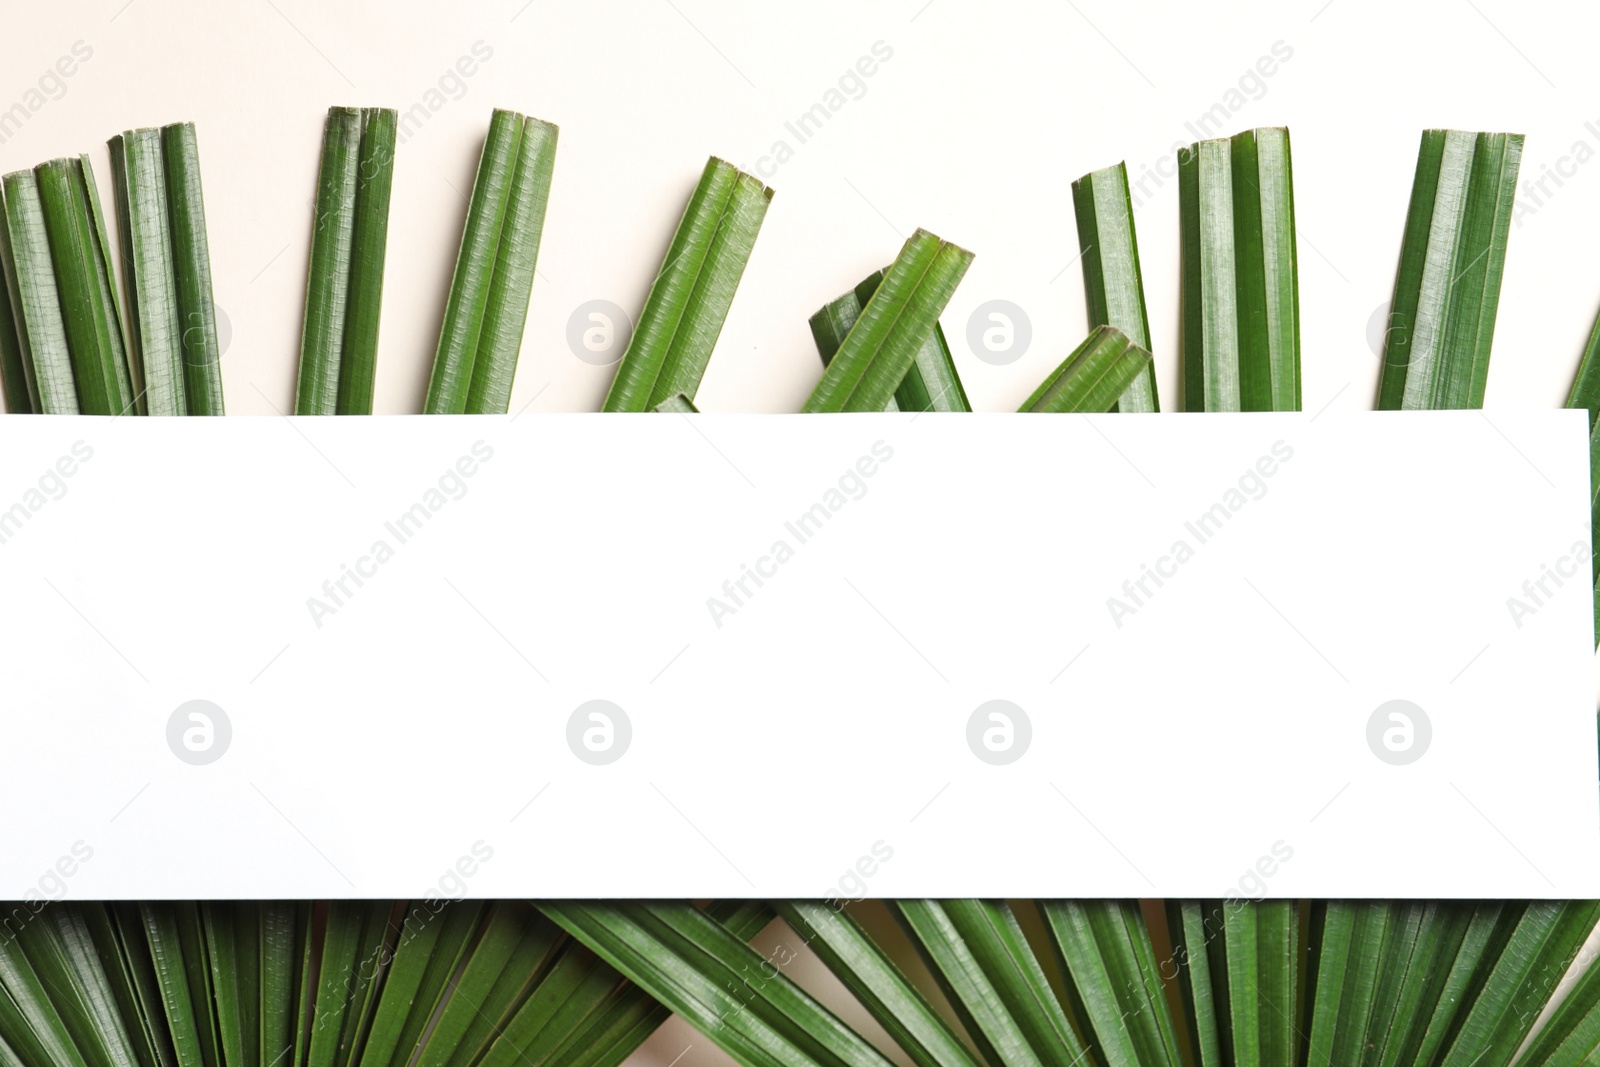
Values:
[(613, 1026), (191, 255), (14, 371), (1541, 948), (1241, 306), (1447, 287), (725, 989), (893, 1001), (508, 957), (1114, 981), (354, 957), (487, 307), (429, 950), (982, 962), (83, 274), (35, 298), (931, 384), (155, 313), (1112, 284), (883, 343), (1586, 394), (1093, 377), (349, 238), (691, 295)]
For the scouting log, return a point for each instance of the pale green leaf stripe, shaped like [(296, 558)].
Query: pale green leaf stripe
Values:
[(94, 333), (328, 280), (875, 980), (1447, 286), (894, 325), (155, 329), (459, 336), (1111, 972), (1240, 305), (35, 299), (677, 404), (506, 314), (1093, 377), (1112, 283), (191, 253), (725, 989), (693, 291)]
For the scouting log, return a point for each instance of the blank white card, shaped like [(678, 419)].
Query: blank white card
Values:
[(846, 656)]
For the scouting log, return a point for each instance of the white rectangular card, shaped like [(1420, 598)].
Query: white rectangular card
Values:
[(1196, 630)]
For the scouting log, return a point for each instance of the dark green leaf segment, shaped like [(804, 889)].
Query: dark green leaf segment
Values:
[(931, 384), (64, 353), (1113, 287), (882, 345), (349, 236), (1240, 290), (693, 291), (172, 318), (487, 308), (1447, 286)]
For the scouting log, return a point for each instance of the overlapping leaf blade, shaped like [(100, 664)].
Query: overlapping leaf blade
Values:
[(883, 343), (931, 383), (878, 983), (1093, 378), (728, 991)]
